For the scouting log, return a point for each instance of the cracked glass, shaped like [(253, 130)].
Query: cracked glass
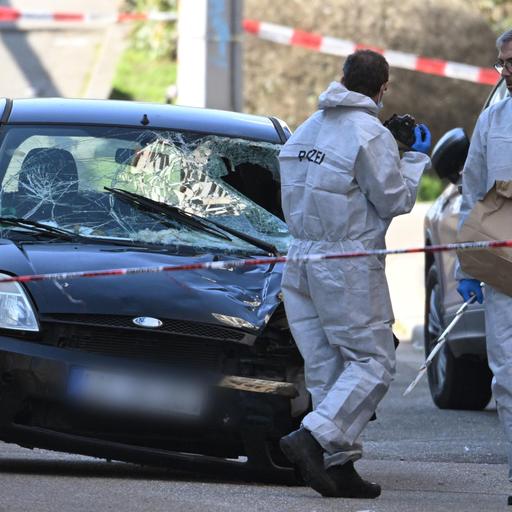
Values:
[(56, 175)]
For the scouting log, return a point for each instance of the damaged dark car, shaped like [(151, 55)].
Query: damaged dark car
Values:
[(186, 370)]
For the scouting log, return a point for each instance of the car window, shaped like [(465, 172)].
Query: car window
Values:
[(94, 158), (499, 93), (206, 177), (58, 175)]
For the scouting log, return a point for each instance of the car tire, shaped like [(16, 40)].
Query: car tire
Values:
[(455, 382)]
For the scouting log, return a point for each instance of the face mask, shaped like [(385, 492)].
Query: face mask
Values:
[(380, 103)]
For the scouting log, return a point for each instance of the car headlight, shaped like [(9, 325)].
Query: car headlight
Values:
[(16, 311), (234, 321)]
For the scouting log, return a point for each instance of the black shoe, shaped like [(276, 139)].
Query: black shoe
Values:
[(301, 449), (350, 485)]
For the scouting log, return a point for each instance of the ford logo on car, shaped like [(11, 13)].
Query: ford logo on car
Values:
[(147, 321)]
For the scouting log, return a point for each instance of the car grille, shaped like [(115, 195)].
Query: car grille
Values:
[(180, 327), (176, 343), (176, 352)]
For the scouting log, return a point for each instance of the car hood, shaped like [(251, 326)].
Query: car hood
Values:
[(250, 293)]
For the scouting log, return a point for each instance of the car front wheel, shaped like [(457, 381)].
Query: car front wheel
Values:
[(455, 383)]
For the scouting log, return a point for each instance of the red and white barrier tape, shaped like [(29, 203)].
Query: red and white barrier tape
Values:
[(229, 264), (11, 15), (341, 47)]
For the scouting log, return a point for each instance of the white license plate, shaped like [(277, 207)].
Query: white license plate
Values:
[(136, 393)]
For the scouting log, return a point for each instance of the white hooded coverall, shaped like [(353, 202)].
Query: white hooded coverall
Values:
[(490, 159), (342, 182)]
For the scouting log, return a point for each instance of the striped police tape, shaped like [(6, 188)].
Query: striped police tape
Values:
[(12, 15), (341, 47), (230, 264)]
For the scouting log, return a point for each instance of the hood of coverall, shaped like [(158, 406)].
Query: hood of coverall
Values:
[(337, 95)]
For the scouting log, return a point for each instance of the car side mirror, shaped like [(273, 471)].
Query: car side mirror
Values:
[(449, 154)]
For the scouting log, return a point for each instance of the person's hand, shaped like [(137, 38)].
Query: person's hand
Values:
[(423, 139), (469, 287)]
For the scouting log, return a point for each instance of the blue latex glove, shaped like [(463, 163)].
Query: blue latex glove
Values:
[(423, 139), (469, 287)]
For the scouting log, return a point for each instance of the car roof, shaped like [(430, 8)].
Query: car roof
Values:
[(139, 114)]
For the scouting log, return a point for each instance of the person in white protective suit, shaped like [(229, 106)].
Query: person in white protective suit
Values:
[(489, 159), (342, 182)]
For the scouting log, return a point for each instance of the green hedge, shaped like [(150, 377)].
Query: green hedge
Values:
[(141, 77), (148, 65), (430, 188)]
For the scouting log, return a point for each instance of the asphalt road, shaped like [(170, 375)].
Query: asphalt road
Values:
[(426, 460), (41, 59)]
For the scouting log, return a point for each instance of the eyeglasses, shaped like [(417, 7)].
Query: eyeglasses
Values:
[(500, 65)]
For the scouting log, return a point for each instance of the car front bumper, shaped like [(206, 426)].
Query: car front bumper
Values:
[(36, 412)]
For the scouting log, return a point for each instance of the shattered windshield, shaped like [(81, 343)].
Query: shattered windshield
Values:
[(57, 175)]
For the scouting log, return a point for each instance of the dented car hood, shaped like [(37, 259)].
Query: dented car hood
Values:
[(250, 293)]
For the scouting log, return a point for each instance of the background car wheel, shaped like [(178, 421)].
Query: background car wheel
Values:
[(455, 383)]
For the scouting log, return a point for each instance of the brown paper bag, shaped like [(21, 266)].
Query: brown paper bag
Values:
[(490, 219)]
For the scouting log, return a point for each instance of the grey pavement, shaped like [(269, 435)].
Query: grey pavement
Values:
[(426, 460), (409, 487), (412, 428), (41, 59)]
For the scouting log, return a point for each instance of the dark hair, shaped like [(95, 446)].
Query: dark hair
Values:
[(365, 71), (506, 37)]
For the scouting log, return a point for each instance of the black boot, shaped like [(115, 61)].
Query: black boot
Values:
[(350, 485), (301, 449)]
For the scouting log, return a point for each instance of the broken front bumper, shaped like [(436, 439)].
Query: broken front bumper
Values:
[(242, 414)]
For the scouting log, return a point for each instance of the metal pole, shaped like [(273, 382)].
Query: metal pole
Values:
[(237, 14), (210, 54)]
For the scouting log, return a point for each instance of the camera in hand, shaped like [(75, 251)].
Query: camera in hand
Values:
[(402, 128)]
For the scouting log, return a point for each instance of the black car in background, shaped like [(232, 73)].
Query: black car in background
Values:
[(459, 377), (182, 369)]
